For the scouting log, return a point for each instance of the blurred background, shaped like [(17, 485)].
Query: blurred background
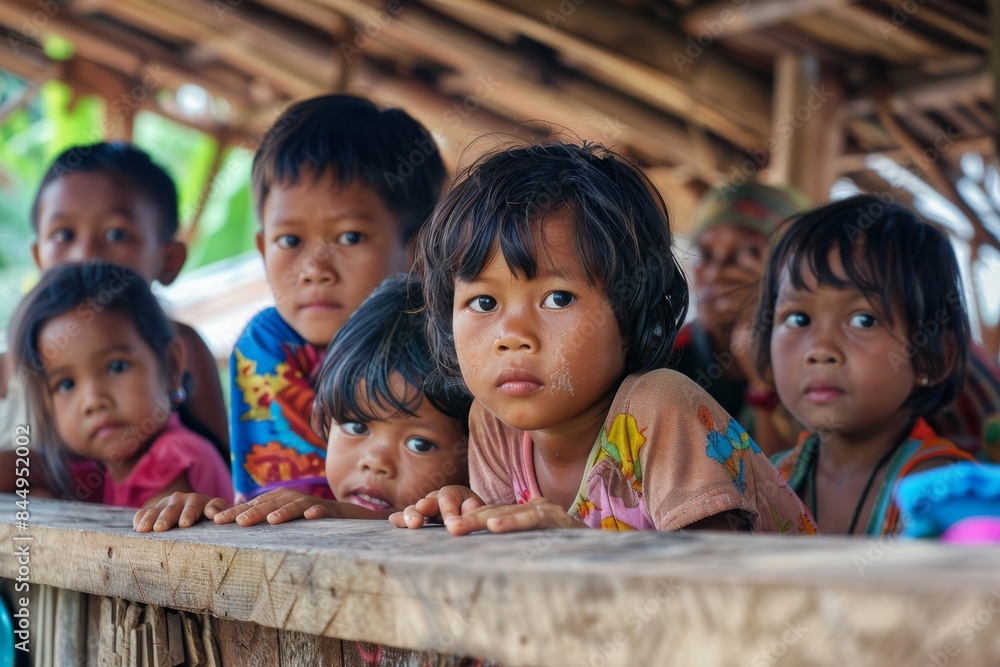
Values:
[(829, 96)]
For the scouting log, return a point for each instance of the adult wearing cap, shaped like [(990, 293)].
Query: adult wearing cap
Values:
[(733, 227)]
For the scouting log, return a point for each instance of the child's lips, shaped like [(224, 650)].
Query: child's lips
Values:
[(370, 499), (517, 382), (822, 394), (321, 306), (104, 429)]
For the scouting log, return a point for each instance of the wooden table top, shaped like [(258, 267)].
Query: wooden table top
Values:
[(546, 598)]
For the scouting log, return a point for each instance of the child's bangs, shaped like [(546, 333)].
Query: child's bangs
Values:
[(509, 231), (866, 265), (368, 399)]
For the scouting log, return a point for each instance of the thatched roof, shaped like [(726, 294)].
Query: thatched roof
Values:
[(699, 92), (691, 90)]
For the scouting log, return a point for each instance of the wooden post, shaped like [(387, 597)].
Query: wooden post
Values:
[(805, 139)]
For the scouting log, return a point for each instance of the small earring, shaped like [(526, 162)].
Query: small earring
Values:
[(924, 381), (178, 396)]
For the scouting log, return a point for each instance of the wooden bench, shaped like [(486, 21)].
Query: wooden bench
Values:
[(363, 593)]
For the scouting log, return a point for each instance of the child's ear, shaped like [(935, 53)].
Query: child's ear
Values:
[(259, 241), (175, 363), (34, 254), (950, 360), (174, 255)]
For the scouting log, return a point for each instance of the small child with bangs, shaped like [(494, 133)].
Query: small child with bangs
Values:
[(395, 432), (862, 322), (553, 293)]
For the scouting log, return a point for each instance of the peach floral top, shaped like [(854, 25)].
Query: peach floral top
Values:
[(668, 456)]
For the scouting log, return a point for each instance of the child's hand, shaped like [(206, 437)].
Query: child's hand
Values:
[(279, 506), (179, 509), (536, 514), (448, 503)]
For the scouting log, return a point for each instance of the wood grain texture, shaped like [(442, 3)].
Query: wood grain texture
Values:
[(560, 597)]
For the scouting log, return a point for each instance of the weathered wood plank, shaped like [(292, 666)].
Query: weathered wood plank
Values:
[(70, 630), (295, 648), (363, 654), (247, 644), (561, 597)]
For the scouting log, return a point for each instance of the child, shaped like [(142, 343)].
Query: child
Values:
[(103, 370), (553, 293), (863, 323), (335, 221), (395, 435), (109, 201)]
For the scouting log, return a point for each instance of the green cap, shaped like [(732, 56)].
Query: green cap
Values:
[(753, 205)]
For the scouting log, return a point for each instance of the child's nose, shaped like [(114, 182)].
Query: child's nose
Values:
[(94, 398), (84, 248), (378, 459), (517, 333), (823, 352), (318, 268)]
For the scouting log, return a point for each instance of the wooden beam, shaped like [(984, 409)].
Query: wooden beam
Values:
[(930, 170), (769, 43), (756, 15), (453, 125), (807, 136), (123, 52), (936, 94), (851, 162), (259, 59), (880, 29), (493, 76), (950, 24), (830, 29), (957, 119), (316, 16), (622, 48)]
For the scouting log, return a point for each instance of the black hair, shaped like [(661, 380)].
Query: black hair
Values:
[(385, 150), (903, 265), (622, 237), (385, 336), (123, 159), (87, 289)]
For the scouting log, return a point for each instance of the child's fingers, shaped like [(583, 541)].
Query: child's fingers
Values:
[(254, 515), (318, 512), (229, 515), (168, 515), (466, 523), (408, 518), (472, 504), (289, 511), (534, 515), (191, 512), (215, 506), (143, 520), (429, 506), (449, 503), (516, 521)]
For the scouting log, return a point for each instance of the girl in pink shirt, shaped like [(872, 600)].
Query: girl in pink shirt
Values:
[(103, 369)]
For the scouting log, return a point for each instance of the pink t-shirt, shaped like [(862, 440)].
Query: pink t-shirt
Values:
[(668, 456), (176, 451)]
